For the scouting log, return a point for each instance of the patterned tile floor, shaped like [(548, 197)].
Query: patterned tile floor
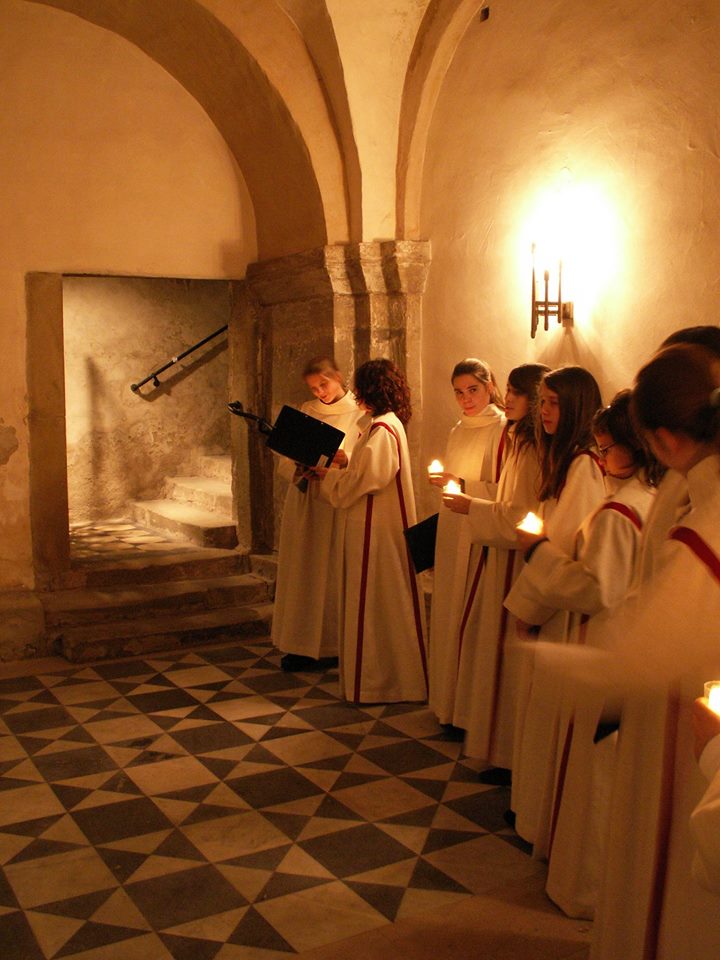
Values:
[(119, 539), (204, 805)]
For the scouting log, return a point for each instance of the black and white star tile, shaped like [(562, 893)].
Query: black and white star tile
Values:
[(204, 805)]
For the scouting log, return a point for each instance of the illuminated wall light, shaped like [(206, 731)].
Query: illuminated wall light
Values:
[(572, 234)]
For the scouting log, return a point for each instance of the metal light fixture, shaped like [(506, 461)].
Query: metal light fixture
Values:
[(543, 308)]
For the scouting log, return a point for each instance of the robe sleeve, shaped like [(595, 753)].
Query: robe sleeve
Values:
[(581, 495), (374, 465), (494, 522), (600, 579)]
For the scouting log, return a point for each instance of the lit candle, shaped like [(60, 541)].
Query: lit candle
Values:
[(531, 523), (452, 487), (712, 695), (435, 467)]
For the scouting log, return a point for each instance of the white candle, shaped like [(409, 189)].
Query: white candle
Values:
[(452, 487), (712, 694), (435, 467), (531, 523)]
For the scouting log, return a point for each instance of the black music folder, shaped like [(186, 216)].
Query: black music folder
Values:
[(304, 439), (421, 542)]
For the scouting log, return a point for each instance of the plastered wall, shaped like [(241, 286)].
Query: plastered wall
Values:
[(122, 445), (620, 95), (108, 166)]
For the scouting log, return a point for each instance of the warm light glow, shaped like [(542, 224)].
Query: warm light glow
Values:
[(452, 487), (579, 224), (435, 467), (531, 523), (712, 694)]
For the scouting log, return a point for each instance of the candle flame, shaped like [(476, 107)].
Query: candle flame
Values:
[(531, 523), (712, 692), (452, 487), (435, 467)]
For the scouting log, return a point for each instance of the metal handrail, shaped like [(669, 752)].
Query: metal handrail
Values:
[(135, 387)]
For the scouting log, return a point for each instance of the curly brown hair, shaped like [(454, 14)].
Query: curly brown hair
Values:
[(382, 387)]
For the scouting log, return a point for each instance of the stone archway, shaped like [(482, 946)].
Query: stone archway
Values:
[(440, 33), (203, 55)]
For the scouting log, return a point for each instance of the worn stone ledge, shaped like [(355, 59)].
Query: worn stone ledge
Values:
[(22, 626)]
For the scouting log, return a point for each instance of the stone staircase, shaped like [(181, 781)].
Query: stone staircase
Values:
[(146, 604), (197, 509)]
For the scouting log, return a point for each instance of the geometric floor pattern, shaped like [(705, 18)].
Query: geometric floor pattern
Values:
[(204, 805), (119, 539)]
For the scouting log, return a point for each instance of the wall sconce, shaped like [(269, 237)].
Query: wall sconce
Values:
[(543, 307)]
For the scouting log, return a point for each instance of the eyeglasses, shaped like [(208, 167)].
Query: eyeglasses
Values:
[(603, 450)]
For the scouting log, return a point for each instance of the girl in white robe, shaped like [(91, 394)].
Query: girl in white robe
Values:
[(564, 709), (649, 904), (473, 459), (571, 486), (382, 645), (305, 613), (485, 702)]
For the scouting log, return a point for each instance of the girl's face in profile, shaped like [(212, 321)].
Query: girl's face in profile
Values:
[(617, 459), (517, 405), (472, 395), (549, 409), (327, 389)]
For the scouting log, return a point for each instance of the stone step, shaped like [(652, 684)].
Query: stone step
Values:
[(184, 520), (265, 565), (208, 493), (128, 638), (148, 568), (96, 605), (219, 467)]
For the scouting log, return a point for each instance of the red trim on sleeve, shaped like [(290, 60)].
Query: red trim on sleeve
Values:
[(625, 510), (705, 553)]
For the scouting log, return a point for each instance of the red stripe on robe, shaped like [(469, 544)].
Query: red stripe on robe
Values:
[(411, 569), (625, 510), (703, 551)]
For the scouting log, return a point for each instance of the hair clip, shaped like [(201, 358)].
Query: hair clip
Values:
[(715, 397)]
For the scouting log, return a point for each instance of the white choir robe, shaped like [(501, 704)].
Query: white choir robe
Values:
[(649, 903), (382, 648), (474, 452), (485, 702), (571, 815), (705, 822), (670, 502), (572, 831), (305, 612), (583, 492)]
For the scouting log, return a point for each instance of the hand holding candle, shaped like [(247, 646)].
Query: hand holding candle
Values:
[(454, 498), (531, 523), (437, 475), (530, 530), (706, 716), (712, 695)]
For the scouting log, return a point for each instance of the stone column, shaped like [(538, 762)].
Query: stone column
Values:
[(351, 301)]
